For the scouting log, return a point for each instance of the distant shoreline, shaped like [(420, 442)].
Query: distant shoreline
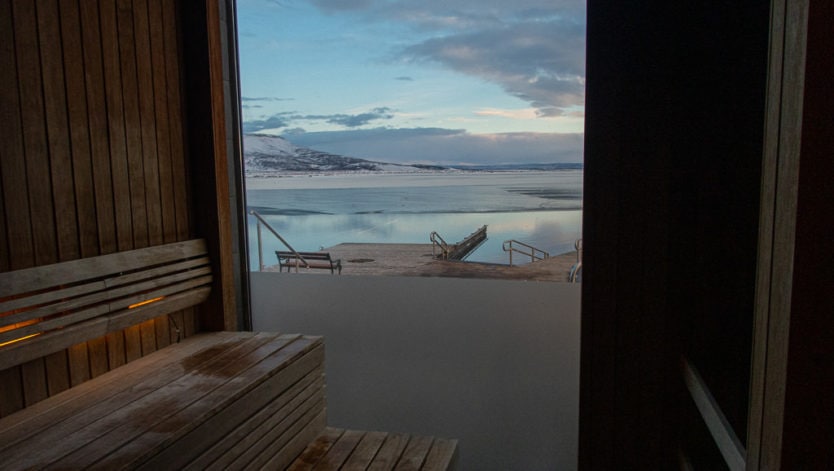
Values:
[(354, 179)]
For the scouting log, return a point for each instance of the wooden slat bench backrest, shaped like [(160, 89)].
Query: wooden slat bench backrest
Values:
[(48, 308)]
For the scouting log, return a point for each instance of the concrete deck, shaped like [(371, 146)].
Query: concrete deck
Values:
[(417, 260)]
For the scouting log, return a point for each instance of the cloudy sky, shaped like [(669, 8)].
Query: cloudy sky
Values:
[(446, 81)]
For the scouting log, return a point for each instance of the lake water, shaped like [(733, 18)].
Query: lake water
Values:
[(539, 208)]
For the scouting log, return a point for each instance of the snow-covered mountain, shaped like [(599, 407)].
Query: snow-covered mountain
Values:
[(268, 154)]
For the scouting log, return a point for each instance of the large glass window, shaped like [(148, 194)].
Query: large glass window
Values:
[(389, 133)]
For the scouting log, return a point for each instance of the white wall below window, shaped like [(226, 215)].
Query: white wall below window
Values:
[(492, 363)]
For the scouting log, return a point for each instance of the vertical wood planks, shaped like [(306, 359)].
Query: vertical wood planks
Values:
[(98, 127), (173, 50), (13, 170), (93, 158), (160, 85), (147, 116), (79, 367), (4, 245), (133, 343), (116, 349), (116, 125), (35, 153), (57, 130), (34, 381), (148, 333), (99, 363), (82, 169), (163, 334), (57, 372), (11, 394), (133, 124), (79, 130)]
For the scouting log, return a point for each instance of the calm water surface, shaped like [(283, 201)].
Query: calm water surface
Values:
[(542, 209)]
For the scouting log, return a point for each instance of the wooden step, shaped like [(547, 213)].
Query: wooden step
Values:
[(338, 449)]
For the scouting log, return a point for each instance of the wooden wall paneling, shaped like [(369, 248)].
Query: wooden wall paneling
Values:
[(190, 322), (116, 349), (4, 243), (11, 394), (163, 331), (133, 125), (176, 118), (34, 134), (95, 112), (57, 129), (98, 127), (78, 356), (57, 372), (186, 320), (79, 365), (147, 116), (147, 332), (99, 356), (34, 381), (18, 228), (177, 326), (79, 129), (133, 343), (116, 125), (163, 132)]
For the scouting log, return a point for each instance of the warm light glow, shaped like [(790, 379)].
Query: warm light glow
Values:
[(143, 303), (18, 340), (17, 325)]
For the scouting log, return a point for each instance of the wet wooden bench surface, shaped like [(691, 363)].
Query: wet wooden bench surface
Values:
[(338, 449), (224, 400)]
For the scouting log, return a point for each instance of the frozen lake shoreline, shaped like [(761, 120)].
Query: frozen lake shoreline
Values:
[(332, 180), (540, 208)]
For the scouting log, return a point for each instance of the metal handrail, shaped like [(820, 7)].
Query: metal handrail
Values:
[(276, 234), (576, 270), (509, 246), (444, 247)]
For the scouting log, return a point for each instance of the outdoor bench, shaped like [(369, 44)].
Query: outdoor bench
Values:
[(320, 260), (216, 400)]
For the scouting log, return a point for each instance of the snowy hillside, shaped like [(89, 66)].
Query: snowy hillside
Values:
[(270, 154)]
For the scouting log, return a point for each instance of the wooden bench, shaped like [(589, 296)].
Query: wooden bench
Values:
[(213, 401), (49, 308), (221, 400), (319, 260)]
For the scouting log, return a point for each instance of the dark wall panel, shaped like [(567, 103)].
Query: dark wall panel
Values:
[(673, 149)]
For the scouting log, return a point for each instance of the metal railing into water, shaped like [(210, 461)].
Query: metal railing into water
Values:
[(276, 234), (527, 250), (438, 242)]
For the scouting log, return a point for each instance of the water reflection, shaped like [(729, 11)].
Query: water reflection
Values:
[(551, 231), (538, 208)]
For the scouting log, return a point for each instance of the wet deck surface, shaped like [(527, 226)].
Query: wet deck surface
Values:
[(417, 260)]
